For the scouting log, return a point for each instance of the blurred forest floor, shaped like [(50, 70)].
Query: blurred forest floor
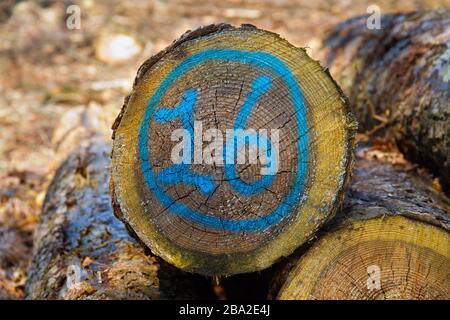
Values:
[(47, 69)]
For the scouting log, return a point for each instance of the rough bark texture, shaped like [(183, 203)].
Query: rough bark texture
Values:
[(376, 191), (79, 238), (398, 79), (379, 189)]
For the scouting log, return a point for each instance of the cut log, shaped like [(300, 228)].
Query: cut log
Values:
[(391, 241), (398, 79), (82, 251), (210, 211)]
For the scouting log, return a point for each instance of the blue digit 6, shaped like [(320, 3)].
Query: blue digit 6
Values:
[(259, 86)]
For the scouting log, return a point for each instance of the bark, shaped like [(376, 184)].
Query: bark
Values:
[(82, 251), (377, 191), (397, 79)]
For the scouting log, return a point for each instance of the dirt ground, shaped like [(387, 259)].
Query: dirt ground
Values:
[(47, 69)]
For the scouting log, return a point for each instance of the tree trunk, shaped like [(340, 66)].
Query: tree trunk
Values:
[(82, 251), (219, 217), (390, 241), (397, 79)]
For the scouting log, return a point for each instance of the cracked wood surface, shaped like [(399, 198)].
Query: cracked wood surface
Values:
[(227, 231)]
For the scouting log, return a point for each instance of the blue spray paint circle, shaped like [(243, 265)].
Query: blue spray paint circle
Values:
[(258, 59)]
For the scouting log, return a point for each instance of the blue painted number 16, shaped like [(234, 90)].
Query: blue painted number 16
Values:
[(182, 173)]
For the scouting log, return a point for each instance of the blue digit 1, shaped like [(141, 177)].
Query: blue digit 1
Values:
[(181, 173)]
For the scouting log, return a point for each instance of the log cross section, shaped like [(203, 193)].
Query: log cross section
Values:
[(231, 150)]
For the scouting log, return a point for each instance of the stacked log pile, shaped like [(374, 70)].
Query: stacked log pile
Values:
[(387, 240)]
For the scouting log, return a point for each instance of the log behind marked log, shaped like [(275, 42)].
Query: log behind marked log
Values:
[(394, 228), (220, 220), (398, 80)]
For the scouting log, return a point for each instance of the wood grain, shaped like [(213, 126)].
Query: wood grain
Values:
[(228, 224), (391, 221)]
